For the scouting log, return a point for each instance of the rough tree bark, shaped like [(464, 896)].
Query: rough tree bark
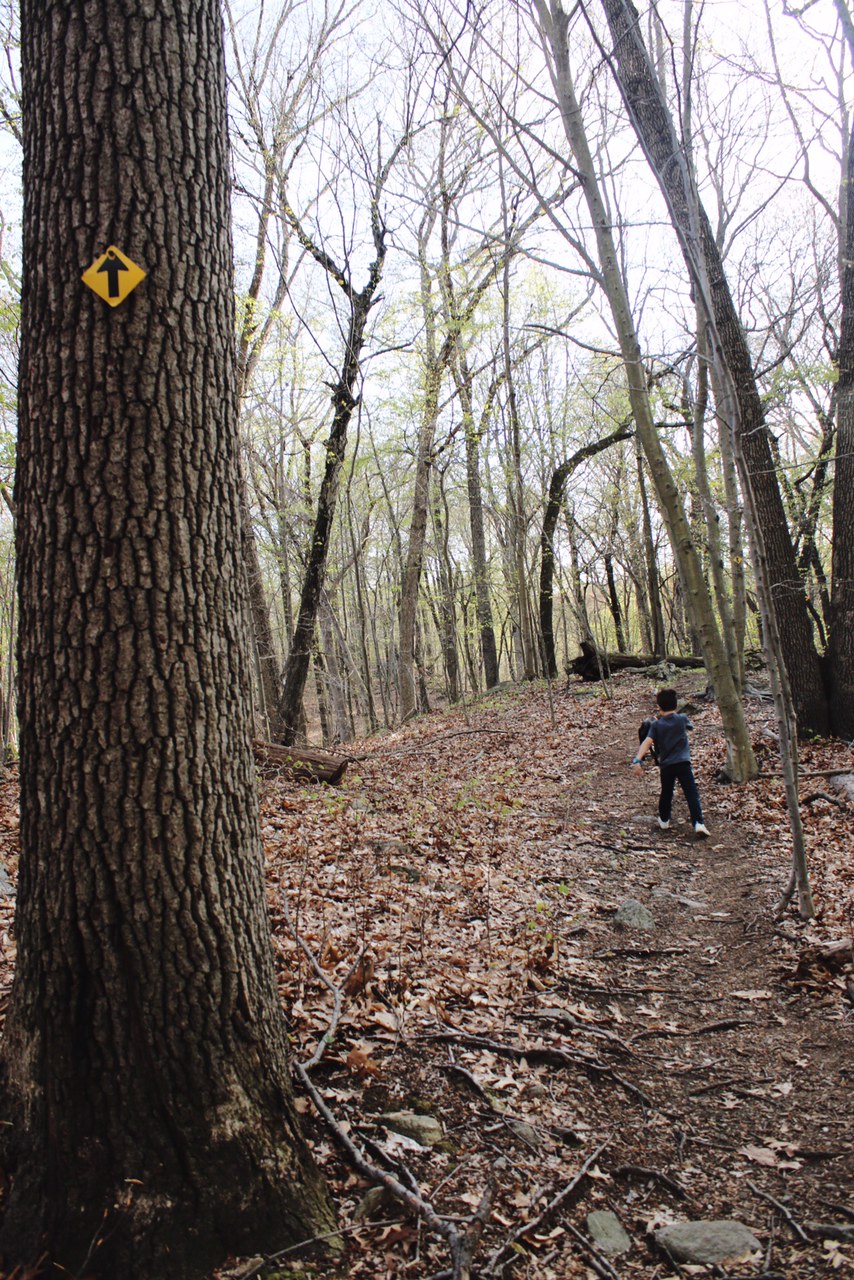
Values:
[(147, 1118)]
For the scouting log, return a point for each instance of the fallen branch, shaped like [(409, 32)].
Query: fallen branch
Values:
[(722, 1084), (822, 795), (595, 1260), (552, 1057), (781, 1208), (416, 1203), (725, 1024), (830, 1231), (565, 1019), (641, 1171)]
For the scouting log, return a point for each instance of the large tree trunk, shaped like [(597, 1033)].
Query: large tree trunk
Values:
[(148, 1123)]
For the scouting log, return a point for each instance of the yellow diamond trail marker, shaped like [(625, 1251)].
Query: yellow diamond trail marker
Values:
[(113, 276)]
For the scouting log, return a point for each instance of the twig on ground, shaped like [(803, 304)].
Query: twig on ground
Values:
[(306, 1244), (595, 1260), (336, 991), (416, 1203), (726, 1024), (554, 1057), (832, 1231), (781, 1209), (721, 1084), (567, 1020), (554, 1205), (822, 795), (641, 1171)]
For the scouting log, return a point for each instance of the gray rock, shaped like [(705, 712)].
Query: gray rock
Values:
[(372, 1203), (526, 1132), (607, 1232), (632, 914), (712, 1243), (425, 1130), (7, 889)]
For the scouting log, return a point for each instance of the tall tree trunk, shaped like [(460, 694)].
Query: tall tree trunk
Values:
[(435, 364), (489, 652), (614, 602), (697, 417), (582, 620), (741, 762), (269, 676), (447, 615), (653, 579), (840, 649), (150, 1129), (656, 133)]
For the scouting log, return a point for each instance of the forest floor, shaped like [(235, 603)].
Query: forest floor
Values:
[(448, 912)]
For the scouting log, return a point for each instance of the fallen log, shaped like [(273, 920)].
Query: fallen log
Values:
[(302, 762), (588, 664)]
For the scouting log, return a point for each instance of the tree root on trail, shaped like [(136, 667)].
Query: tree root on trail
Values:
[(552, 1056)]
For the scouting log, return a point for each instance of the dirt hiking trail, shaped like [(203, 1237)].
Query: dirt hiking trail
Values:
[(517, 1061)]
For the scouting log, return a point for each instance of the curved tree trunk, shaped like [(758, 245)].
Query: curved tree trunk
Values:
[(148, 1119), (557, 487)]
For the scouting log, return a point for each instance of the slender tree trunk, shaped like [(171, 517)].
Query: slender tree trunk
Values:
[(582, 621), (488, 648), (435, 364), (653, 580), (710, 513), (361, 610), (840, 649), (735, 522), (341, 726), (150, 1129), (614, 602), (343, 404), (447, 616)]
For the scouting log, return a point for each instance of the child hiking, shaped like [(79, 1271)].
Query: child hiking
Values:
[(668, 738)]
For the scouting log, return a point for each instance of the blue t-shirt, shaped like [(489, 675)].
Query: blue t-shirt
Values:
[(669, 733)]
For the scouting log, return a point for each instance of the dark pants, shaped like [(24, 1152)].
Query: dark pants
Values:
[(682, 772)]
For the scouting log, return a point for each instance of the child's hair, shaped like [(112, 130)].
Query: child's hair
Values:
[(667, 699)]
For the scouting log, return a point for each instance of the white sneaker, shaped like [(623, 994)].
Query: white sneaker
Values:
[(665, 826), (700, 830)]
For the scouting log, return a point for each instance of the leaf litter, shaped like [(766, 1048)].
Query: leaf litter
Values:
[(445, 946)]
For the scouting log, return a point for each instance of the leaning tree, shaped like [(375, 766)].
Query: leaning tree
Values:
[(148, 1125)]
